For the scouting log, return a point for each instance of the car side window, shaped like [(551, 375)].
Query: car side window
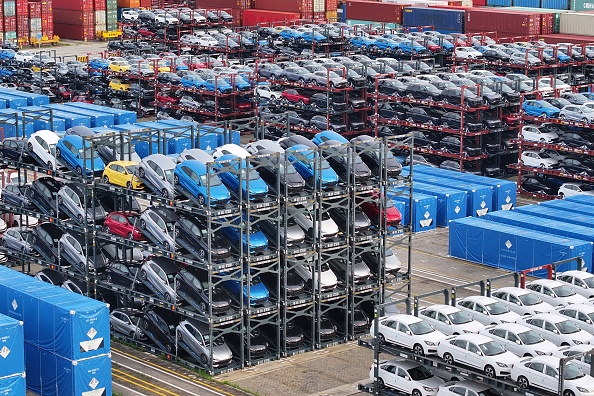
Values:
[(548, 326), (582, 317), (512, 337), (473, 348), (458, 390), (550, 371), (460, 343), (442, 318), (402, 328), (479, 308), (548, 292), (498, 332), (401, 373), (578, 282), (538, 367), (568, 312)]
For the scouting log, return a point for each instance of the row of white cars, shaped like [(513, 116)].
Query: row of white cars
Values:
[(520, 333)]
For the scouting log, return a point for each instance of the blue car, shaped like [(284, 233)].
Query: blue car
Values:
[(257, 239), (99, 63), (192, 176), (406, 45), (238, 82), (362, 42), (80, 158), (561, 57), (589, 95), (290, 34), (309, 35), (7, 71), (257, 187), (217, 84), (7, 54), (307, 164), (258, 293), (540, 108), (192, 81), (324, 136), (386, 44)]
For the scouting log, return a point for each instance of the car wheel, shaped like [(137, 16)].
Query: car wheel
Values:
[(202, 254), (105, 179), (201, 199), (164, 193), (49, 165), (523, 382), (80, 218), (169, 348), (78, 170), (130, 236), (527, 355), (381, 384), (109, 279), (175, 179), (564, 344), (141, 172), (202, 306), (448, 359), (203, 359), (568, 392), (132, 334), (143, 274), (563, 117), (143, 224), (30, 147), (490, 372), (381, 339), (416, 392), (418, 350), (129, 185), (167, 297), (60, 200), (106, 230), (544, 115), (166, 246), (585, 120), (58, 152)]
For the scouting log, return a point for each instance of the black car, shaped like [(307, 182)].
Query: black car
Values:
[(454, 120), (46, 241), (422, 91), (574, 165), (192, 234), (391, 87), (141, 91), (118, 252), (343, 320), (291, 284), (321, 123), (327, 103), (159, 324), (454, 96), (43, 193), (387, 111), (168, 78), (16, 195), (539, 185), (268, 32), (558, 102), (453, 144), (292, 335), (490, 97), (425, 139), (192, 284), (495, 55), (337, 157), (455, 166), (343, 219), (372, 153), (325, 328), (273, 168), (422, 115), (113, 202), (572, 139), (256, 345), (128, 276), (15, 149)]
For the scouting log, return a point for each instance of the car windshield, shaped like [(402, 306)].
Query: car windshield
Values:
[(420, 328), (420, 373), (491, 348), (496, 308), (530, 337), (545, 104), (572, 372), (529, 299), (170, 227), (589, 281), (52, 149), (563, 291), (214, 180), (459, 318), (585, 187), (489, 392), (132, 169), (567, 327)]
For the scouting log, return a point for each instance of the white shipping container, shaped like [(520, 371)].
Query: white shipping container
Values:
[(35, 24), (100, 27), (100, 17), (577, 23), (35, 34), (319, 6)]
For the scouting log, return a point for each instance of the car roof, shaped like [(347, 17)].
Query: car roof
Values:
[(52, 229), (408, 319), (405, 364), (515, 290), (53, 275), (552, 360), (166, 264), (580, 307), (197, 166), (123, 163), (577, 273), (77, 188), (479, 338), (162, 160), (165, 213), (554, 317), (443, 308), (514, 327), (481, 299), (546, 282), (476, 386), (47, 135)]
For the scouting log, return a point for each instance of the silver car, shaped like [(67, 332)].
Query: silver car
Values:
[(72, 200), (158, 273), (158, 224), (307, 219), (195, 336), (51, 276), (195, 154), (127, 321), (72, 250), (17, 239), (156, 171), (326, 77), (577, 113)]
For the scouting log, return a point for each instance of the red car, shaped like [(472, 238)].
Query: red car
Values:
[(82, 98), (164, 98), (123, 224), (144, 32), (293, 96), (372, 210)]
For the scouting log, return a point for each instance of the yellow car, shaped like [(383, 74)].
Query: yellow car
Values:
[(119, 66), (122, 173), (118, 85), (38, 69)]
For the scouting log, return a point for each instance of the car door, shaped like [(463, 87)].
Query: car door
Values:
[(551, 330), (513, 344), (550, 379), (120, 224), (389, 330), (474, 356), (72, 202), (118, 174), (499, 335)]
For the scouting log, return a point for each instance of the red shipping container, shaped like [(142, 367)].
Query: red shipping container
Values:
[(46, 7), (34, 10), (301, 6), (376, 12), (75, 32), (479, 3), (22, 7), (22, 27), (218, 3), (73, 17), (501, 21), (100, 5), (256, 17), (83, 5), (244, 4), (10, 24), (331, 5), (145, 3)]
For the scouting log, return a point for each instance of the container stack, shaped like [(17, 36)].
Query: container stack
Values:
[(35, 30), (443, 20), (74, 19), (22, 13), (66, 336), (12, 357), (100, 15), (47, 19), (10, 21), (111, 11), (305, 8)]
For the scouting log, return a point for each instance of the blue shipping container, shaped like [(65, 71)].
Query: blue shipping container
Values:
[(52, 375), (121, 117), (504, 191), (548, 226), (527, 3), (71, 119), (13, 101), (424, 210), (568, 206), (97, 119), (441, 19), (451, 203), (12, 353), (584, 199), (32, 99), (513, 248), (556, 4), (556, 214), (499, 3), (13, 386)]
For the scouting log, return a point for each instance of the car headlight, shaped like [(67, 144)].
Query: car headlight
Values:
[(430, 343), (428, 389), (501, 364), (505, 321), (540, 353), (583, 390), (577, 342), (468, 331)]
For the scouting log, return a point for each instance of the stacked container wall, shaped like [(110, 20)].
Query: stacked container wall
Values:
[(23, 27), (451, 21), (499, 3), (121, 117), (9, 8), (555, 4), (581, 198), (129, 3), (47, 18), (111, 15), (22, 7), (577, 23), (505, 23), (99, 5), (331, 5), (145, 3), (255, 17), (12, 361), (451, 203), (581, 5), (83, 5), (556, 214), (527, 3), (378, 12), (319, 6)]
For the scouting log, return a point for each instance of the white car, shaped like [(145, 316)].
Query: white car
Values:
[(554, 83), (24, 56), (582, 362), (166, 19), (558, 329), (520, 340), (469, 388), (543, 372), (408, 331), (195, 154), (537, 159), (406, 376), (521, 301), (264, 91), (308, 220), (580, 314), (535, 134), (43, 144), (129, 15), (230, 149), (571, 189), (264, 144), (556, 293), (467, 53), (449, 320), (309, 273), (207, 41), (487, 310), (554, 154), (478, 351), (581, 281)]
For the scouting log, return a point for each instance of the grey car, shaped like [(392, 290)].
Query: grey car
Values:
[(72, 200), (75, 251), (156, 171), (117, 252), (127, 321), (158, 224), (158, 273), (295, 74), (195, 154), (577, 113), (327, 78), (18, 239), (195, 336)]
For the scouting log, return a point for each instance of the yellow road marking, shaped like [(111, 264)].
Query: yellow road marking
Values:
[(138, 384)]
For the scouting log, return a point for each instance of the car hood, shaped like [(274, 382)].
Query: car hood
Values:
[(361, 220), (433, 382), (575, 299), (392, 263), (221, 353), (328, 227), (361, 270), (219, 193), (257, 291), (328, 278), (294, 180), (257, 239), (293, 233)]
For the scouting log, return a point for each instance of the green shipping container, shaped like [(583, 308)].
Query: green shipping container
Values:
[(555, 12), (582, 5)]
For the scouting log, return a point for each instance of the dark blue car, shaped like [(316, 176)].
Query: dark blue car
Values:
[(540, 108), (240, 231), (307, 164), (258, 293), (241, 169), (192, 176)]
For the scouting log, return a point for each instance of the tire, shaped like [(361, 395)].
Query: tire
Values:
[(448, 359), (143, 274), (143, 224), (58, 152), (563, 117), (202, 306), (80, 218), (585, 121), (30, 147), (169, 348), (175, 179), (381, 339), (380, 383), (568, 392), (109, 279), (416, 392), (132, 334), (203, 359), (141, 172), (167, 297), (544, 115), (418, 350), (564, 344), (201, 200), (164, 193), (202, 254), (490, 372), (130, 236), (523, 382), (49, 165), (60, 200), (106, 230), (78, 170), (166, 246), (129, 185), (105, 179)]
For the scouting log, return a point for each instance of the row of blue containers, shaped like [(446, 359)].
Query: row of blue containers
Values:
[(442, 20), (424, 209), (12, 357), (545, 4)]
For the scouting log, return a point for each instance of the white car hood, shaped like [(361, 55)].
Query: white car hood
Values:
[(509, 317), (583, 336), (575, 299), (505, 358)]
